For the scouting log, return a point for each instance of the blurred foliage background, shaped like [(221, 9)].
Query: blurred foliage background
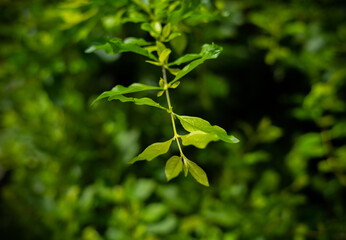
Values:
[(279, 86)]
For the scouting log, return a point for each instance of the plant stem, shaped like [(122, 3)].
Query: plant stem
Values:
[(176, 136)]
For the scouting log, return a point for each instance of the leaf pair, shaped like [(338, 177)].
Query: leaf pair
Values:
[(117, 94), (176, 164), (202, 132), (116, 45), (209, 51)]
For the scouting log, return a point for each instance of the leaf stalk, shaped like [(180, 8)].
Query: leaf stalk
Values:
[(176, 135)]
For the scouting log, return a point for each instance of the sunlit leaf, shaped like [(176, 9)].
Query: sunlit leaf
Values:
[(188, 68), (153, 151), (175, 85), (198, 139), (119, 90), (173, 71), (197, 172), (174, 166), (160, 47), (193, 124), (137, 101), (159, 94), (186, 58), (164, 55), (154, 63), (209, 51)]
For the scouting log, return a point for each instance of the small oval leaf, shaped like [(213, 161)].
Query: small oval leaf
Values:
[(198, 139), (153, 151), (197, 172), (164, 55), (174, 166)]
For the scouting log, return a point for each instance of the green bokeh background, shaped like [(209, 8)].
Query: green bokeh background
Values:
[(279, 86)]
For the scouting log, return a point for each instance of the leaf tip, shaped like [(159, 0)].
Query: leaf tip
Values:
[(233, 139), (90, 49)]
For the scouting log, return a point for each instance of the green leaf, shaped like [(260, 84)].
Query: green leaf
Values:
[(160, 47), (197, 172), (138, 41), (186, 58), (153, 151), (159, 94), (198, 139), (174, 166), (175, 85), (164, 55), (188, 68), (193, 124), (174, 71), (106, 47), (173, 36), (143, 5), (116, 45), (119, 46), (166, 31), (186, 169), (154, 63), (138, 101), (153, 28), (119, 90), (134, 16), (178, 42), (209, 51)]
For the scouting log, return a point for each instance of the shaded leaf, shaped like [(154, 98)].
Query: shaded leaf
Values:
[(198, 139), (119, 90), (166, 31), (119, 46), (193, 124), (116, 45), (106, 47), (197, 172), (153, 151), (174, 166)]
